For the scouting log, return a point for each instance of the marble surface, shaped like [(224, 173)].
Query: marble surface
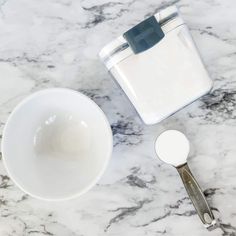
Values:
[(54, 43)]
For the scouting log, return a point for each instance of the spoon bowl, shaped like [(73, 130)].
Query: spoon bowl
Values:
[(172, 147)]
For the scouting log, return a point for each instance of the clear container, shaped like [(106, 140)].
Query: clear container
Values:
[(157, 65)]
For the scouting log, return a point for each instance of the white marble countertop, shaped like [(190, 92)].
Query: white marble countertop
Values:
[(46, 44)]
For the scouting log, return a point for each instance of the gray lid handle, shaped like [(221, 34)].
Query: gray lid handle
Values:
[(144, 35)]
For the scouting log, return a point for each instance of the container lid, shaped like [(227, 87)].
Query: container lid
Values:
[(141, 37)]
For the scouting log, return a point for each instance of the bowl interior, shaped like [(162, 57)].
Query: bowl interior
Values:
[(56, 144)]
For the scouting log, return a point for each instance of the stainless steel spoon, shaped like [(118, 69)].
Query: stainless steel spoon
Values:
[(173, 147)]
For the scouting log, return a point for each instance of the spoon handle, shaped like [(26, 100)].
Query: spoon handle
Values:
[(197, 197)]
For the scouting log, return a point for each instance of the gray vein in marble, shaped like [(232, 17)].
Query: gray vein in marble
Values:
[(2, 3), (170, 210), (4, 181), (3, 202), (99, 15), (210, 191), (126, 132), (25, 58), (125, 212), (220, 103), (178, 203), (95, 94), (161, 232), (156, 219), (135, 179), (210, 33), (213, 34), (43, 231), (227, 229), (28, 230)]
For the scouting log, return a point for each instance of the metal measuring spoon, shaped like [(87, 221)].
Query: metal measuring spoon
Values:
[(173, 147)]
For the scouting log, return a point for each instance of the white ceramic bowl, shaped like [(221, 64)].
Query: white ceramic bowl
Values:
[(56, 144)]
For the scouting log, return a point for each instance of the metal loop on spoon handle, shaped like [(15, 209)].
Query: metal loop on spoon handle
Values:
[(197, 197)]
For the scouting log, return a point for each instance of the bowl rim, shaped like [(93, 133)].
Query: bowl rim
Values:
[(105, 164)]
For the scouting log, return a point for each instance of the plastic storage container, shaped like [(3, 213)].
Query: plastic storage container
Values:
[(158, 66)]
